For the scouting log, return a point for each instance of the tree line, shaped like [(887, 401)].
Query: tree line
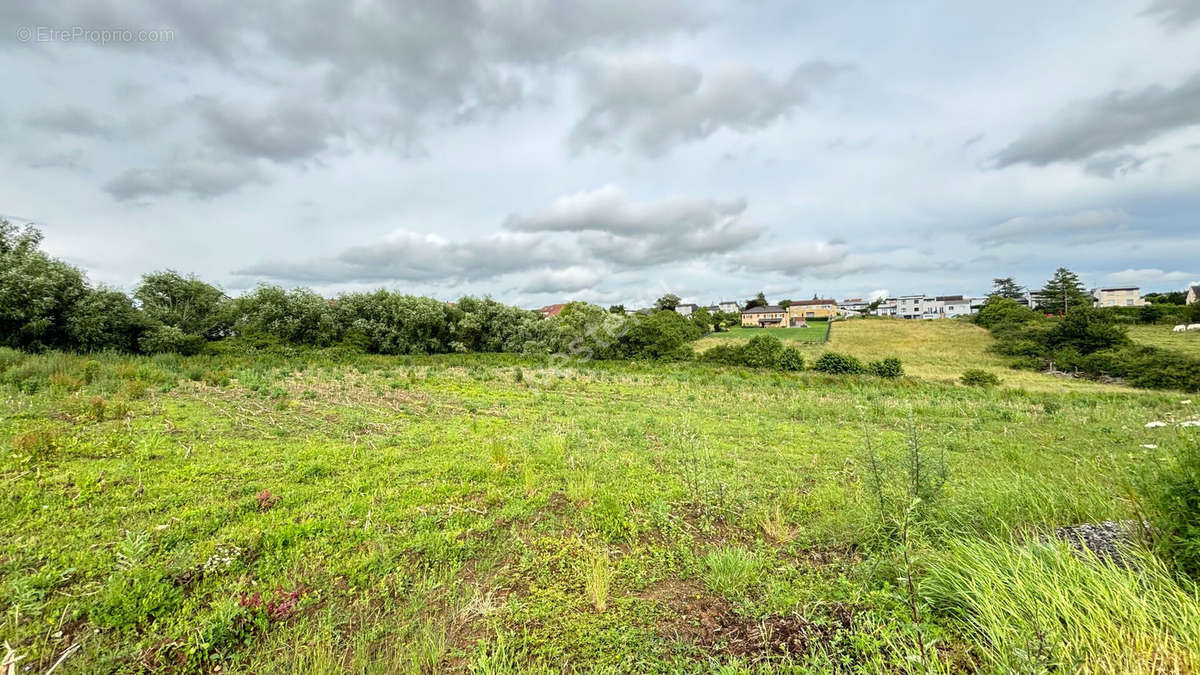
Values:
[(46, 303)]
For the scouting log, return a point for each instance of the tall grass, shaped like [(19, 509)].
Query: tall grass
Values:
[(1040, 607)]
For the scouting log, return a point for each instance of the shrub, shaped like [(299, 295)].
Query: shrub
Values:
[(731, 355), (976, 377), (762, 351), (890, 367), (169, 339), (838, 364), (730, 570), (791, 359)]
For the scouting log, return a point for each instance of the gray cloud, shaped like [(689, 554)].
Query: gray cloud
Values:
[(287, 130), (1082, 227), (565, 280), (193, 178), (1110, 122), (1175, 13), (617, 229), (654, 105), (412, 256), (72, 120), (801, 259)]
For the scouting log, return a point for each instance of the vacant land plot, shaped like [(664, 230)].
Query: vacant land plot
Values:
[(1163, 336), (813, 332), (405, 514)]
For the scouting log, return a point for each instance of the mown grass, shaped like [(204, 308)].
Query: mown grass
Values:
[(814, 332), (1164, 337), (403, 514)]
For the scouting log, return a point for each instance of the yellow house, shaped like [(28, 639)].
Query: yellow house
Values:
[(771, 316), (802, 310)]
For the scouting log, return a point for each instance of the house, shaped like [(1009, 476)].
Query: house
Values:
[(817, 308), (770, 316), (550, 310), (916, 307), (889, 307), (950, 306), (713, 309), (1193, 294), (730, 306), (854, 306), (1130, 296), (686, 308)]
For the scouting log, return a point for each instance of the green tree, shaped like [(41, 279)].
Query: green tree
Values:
[(37, 292), (703, 319), (1001, 310), (616, 309), (759, 300), (105, 319), (186, 303), (1006, 287), (785, 303), (669, 301), (1063, 293)]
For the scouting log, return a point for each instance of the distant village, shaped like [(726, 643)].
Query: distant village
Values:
[(792, 313)]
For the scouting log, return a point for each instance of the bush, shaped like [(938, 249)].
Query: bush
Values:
[(730, 355), (838, 364), (791, 359), (979, 378), (762, 351), (169, 339), (890, 367)]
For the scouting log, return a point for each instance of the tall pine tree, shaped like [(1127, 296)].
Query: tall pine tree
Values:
[(1063, 293)]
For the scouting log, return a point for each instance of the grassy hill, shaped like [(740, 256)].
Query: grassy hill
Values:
[(938, 350), (489, 513)]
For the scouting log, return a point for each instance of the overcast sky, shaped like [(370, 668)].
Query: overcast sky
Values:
[(547, 150)]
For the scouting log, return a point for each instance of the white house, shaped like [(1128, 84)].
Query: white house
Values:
[(950, 306), (686, 309), (729, 306), (1193, 294)]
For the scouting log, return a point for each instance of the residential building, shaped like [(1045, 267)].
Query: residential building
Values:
[(889, 307), (1193, 294), (686, 309), (817, 308), (950, 306), (550, 310), (713, 309), (916, 307), (854, 305), (729, 306), (771, 316), (1130, 296)]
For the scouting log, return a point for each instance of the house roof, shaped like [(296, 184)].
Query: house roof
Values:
[(1196, 289), (550, 310), (949, 298), (763, 310), (853, 300), (1106, 290), (823, 301), (686, 304)]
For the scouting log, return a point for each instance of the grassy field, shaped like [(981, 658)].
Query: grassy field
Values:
[(325, 513), (935, 350), (1162, 336), (814, 332)]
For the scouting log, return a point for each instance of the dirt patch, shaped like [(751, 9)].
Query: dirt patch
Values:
[(710, 625)]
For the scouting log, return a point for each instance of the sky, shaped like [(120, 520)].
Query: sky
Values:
[(539, 151)]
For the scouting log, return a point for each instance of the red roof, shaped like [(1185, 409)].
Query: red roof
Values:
[(550, 310), (827, 301)]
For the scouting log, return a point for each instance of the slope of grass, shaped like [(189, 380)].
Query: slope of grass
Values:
[(939, 350), (1165, 338), (492, 513)]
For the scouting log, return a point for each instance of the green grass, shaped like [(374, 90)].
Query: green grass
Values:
[(486, 512), (1163, 336), (1041, 608), (814, 332)]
